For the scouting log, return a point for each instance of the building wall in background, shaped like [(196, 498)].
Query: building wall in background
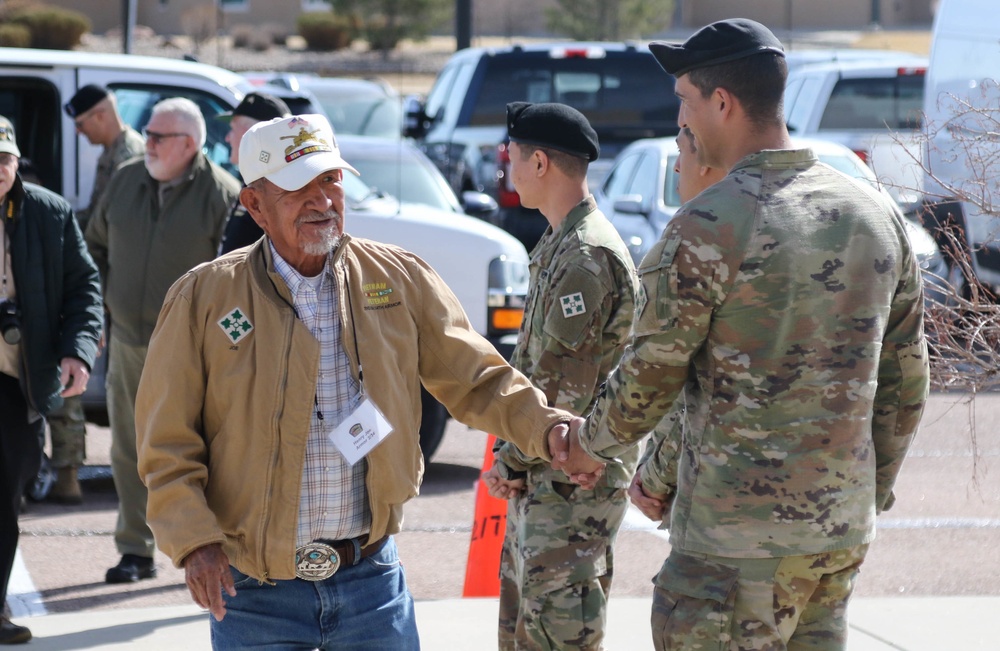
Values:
[(809, 14), (523, 17)]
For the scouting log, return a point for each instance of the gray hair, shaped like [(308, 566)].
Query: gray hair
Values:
[(187, 113)]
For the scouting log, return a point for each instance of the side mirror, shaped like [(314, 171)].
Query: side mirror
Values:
[(480, 205), (416, 122), (629, 204)]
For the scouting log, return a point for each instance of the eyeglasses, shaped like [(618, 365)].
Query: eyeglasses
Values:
[(156, 138), (79, 122)]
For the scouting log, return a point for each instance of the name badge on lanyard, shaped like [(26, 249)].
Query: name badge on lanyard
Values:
[(359, 433)]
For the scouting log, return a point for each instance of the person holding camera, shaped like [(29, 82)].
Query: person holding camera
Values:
[(50, 323)]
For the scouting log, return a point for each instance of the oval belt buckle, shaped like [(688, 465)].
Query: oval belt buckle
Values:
[(316, 561)]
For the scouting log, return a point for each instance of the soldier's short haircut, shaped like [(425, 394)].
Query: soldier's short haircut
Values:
[(570, 165), (757, 81)]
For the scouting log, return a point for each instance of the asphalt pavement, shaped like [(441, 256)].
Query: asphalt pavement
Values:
[(931, 582)]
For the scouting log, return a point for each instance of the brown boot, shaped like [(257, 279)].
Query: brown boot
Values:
[(66, 490)]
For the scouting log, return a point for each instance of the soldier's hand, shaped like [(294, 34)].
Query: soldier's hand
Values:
[(653, 506), (505, 489), (73, 377), (206, 571), (568, 456)]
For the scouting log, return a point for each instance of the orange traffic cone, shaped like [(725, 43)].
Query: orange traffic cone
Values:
[(482, 573)]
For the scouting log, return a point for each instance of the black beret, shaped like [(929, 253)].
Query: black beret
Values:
[(726, 40), (557, 126), (259, 106), (85, 99)]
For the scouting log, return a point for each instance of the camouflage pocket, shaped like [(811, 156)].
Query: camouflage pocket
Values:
[(693, 604), (655, 309)]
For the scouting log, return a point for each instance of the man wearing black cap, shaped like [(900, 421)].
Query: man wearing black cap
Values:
[(555, 579), (788, 295), (241, 229), (94, 111)]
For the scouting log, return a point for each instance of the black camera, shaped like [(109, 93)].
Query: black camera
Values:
[(10, 322)]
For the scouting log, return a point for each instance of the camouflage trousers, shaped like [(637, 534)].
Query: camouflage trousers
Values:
[(556, 566), (798, 603), (68, 430)]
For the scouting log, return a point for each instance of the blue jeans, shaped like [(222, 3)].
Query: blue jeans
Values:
[(364, 607)]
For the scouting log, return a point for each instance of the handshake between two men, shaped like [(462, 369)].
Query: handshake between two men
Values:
[(581, 468)]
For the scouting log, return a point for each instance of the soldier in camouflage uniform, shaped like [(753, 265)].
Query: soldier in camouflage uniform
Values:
[(790, 295), (659, 458), (94, 111), (95, 114), (557, 560)]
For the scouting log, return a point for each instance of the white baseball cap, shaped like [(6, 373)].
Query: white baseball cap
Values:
[(8, 141), (290, 152)]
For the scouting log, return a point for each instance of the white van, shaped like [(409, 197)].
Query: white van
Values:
[(485, 267), (962, 107)]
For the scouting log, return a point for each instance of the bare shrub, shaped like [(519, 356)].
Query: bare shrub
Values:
[(242, 35)]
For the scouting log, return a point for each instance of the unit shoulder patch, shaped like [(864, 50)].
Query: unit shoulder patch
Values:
[(236, 325), (572, 304)]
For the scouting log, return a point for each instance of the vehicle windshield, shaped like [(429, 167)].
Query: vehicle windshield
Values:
[(356, 191), (407, 180)]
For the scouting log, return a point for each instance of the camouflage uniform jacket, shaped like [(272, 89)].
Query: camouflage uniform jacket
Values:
[(790, 294), (128, 144), (576, 322)]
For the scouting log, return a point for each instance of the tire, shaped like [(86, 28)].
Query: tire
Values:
[(432, 424)]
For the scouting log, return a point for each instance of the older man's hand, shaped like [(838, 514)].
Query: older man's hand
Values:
[(206, 571), (568, 456)]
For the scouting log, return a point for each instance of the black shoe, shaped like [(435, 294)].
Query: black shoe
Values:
[(130, 569), (11, 633)]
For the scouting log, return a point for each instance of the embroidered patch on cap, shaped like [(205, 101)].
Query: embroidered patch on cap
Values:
[(236, 325), (572, 304)]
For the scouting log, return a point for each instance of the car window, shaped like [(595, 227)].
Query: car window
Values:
[(797, 114), (875, 103), (647, 172), (135, 103), (620, 175), (32, 106), (442, 104), (615, 92), (670, 195), (791, 94)]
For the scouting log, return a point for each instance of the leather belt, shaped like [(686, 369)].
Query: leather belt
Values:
[(320, 559)]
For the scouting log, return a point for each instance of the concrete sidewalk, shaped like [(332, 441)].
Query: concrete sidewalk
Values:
[(887, 624)]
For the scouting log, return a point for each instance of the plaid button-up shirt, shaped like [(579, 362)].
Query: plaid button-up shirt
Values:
[(334, 500)]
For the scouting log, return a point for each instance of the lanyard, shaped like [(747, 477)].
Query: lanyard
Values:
[(354, 332)]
